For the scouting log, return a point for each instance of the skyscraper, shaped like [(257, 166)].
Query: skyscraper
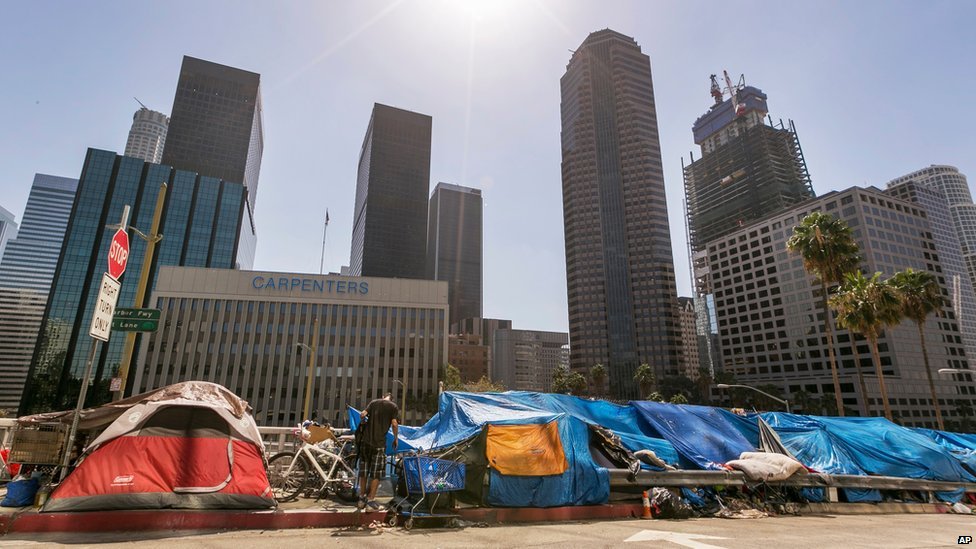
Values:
[(389, 236), (147, 137), (216, 129), (454, 247), (525, 360), (201, 224), (619, 267), (8, 228), (772, 327), (947, 235), (26, 271), (748, 168)]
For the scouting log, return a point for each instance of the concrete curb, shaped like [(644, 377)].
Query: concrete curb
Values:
[(177, 519)]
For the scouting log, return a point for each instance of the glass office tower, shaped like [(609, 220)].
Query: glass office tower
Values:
[(454, 247), (389, 236), (201, 224), (26, 272), (216, 129)]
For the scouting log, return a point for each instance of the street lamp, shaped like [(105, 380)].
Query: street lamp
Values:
[(777, 399), (403, 398), (312, 351), (954, 371)]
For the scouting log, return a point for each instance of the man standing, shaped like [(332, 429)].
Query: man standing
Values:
[(378, 416)]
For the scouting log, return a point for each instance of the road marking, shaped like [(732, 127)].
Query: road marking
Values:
[(677, 538)]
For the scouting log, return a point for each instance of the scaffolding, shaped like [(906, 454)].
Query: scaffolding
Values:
[(759, 172)]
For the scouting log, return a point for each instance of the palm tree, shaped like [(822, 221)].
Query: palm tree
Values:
[(829, 252), (921, 296), (598, 374), (704, 383), (860, 375), (867, 306), (644, 376)]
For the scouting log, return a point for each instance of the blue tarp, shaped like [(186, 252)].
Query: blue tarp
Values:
[(811, 443), (962, 446), (702, 435), (461, 416)]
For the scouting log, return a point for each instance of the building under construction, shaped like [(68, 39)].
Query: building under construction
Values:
[(750, 167)]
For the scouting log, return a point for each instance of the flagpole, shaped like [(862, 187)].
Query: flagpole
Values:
[(324, 231)]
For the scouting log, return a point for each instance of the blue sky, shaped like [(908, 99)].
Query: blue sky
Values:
[(876, 89)]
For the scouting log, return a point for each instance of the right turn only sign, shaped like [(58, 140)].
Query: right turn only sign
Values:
[(108, 296)]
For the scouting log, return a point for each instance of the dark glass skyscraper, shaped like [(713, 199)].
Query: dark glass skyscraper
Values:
[(26, 272), (201, 222), (619, 267), (216, 129), (454, 247), (389, 236)]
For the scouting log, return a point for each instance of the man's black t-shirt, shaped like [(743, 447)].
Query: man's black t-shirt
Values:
[(380, 414)]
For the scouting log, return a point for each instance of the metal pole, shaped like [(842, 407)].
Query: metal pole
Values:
[(403, 402), (151, 240), (324, 231), (81, 404), (73, 432), (311, 366)]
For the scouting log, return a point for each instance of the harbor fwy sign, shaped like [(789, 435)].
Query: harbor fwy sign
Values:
[(314, 285)]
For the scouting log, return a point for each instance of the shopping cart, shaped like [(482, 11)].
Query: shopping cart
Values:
[(425, 475)]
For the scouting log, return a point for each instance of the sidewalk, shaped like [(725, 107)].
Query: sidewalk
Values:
[(306, 513)]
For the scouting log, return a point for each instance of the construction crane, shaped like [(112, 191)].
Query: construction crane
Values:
[(140, 103), (740, 108)]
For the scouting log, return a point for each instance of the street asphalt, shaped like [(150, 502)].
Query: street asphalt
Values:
[(847, 531)]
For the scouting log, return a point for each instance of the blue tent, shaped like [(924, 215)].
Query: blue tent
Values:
[(703, 436), (461, 416)]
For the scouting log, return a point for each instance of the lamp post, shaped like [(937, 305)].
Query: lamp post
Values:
[(777, 399), (311, 366), (403, 399)]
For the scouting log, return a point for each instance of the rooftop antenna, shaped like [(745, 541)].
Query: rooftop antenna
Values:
[(140, 103)]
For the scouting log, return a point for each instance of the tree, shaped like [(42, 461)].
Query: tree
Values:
[(644, 377), (452, 379), (678, 399), (921, 296), (829, 251), (868, 306), (484, 385), (677, 385), (704, 385), (566, 381), (655, 397), (801, 400), (860, 375), (598, 374)]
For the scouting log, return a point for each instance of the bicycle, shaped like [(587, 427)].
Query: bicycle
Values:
[(290, 472)]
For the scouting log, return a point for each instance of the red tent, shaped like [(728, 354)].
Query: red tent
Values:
[(192, 445)]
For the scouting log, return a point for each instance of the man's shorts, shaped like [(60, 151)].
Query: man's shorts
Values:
[(372, 463)]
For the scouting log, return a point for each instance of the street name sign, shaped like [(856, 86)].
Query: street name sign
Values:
[(134, 325), (118, 254), (108, 296), (126, 313)]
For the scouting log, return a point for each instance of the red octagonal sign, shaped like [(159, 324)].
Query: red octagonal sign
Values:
[(118, 254)]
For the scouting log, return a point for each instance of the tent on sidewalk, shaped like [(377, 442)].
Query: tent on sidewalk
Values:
[(192, 445)]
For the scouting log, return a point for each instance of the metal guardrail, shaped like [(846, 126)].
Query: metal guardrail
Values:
[(619, 478), (277, 439)]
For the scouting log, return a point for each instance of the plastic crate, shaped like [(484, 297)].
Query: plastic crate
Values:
[(38, 444), (425, 475)]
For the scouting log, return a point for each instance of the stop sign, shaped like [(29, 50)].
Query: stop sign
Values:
[(118, 254)]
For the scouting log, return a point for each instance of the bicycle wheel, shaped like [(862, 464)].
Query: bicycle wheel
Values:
[(287, 485)]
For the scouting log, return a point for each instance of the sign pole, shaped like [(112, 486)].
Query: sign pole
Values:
[(81, 404), (311, 367), (151, 240), (108, 295)]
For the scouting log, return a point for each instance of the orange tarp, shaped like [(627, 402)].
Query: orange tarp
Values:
[(526, 450)]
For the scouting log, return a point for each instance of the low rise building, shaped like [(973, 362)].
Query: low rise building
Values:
[(246, 329)]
